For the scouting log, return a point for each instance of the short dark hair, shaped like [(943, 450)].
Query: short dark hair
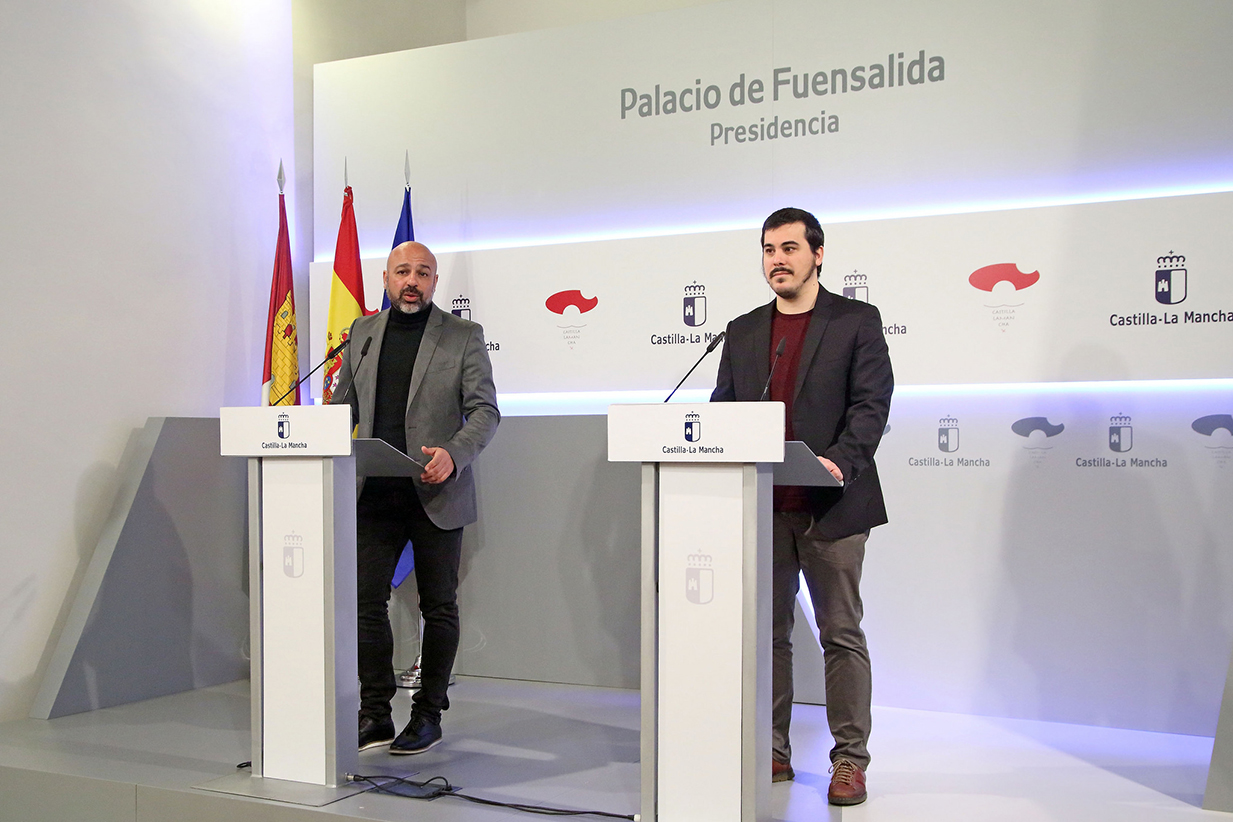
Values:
[(787, 216)]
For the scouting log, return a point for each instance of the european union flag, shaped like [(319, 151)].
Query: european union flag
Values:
[(405, 232)]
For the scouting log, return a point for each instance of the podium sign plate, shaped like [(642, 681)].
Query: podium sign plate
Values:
[(286, 431), (696, 432)]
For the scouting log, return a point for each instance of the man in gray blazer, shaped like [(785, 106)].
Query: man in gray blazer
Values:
[(425, 387)]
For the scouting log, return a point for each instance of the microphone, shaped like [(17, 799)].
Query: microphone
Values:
[(356, 371), (714, 344), (778, 353), (329, 355)]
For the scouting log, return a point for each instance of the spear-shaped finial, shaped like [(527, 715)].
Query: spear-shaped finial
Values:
[(406, 167), (345, 183), (282, 178)]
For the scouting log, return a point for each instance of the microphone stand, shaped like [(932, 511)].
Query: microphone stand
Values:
[(329, 356), (709, 349)]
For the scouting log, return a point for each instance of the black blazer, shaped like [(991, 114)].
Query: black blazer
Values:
[(843, 392)]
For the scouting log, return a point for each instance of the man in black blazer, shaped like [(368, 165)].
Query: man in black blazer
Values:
[(426, 388), (834, 377)]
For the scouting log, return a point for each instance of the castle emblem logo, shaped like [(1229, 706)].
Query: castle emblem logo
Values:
[(693, 427), (948, 435), (856, 287), (293, 555), (1171, 279), (699, 579), (1121, 435), (284, 426), (695, 305), (461, 307)]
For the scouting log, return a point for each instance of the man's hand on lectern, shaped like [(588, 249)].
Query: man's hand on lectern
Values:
[(832, 467), (439, 468)]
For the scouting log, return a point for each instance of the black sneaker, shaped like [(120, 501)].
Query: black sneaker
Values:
[(420, 734), (375, 732)]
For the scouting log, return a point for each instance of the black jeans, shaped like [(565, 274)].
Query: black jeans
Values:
[(388, 514)]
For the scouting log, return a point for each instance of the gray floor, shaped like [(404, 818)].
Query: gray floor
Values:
[(578, 747)]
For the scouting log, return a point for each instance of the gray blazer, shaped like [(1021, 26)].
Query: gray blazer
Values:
[(451, 404)]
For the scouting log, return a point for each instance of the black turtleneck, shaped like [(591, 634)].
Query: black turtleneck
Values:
[(399, 348)]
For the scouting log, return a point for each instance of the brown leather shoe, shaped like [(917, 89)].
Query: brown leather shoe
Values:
[(781, 771), (847, 783)]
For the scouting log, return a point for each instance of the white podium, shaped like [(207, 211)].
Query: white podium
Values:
[(302, 613), (707, 475), (302, 471)]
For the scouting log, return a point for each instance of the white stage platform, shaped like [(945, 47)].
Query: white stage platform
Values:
[(578, 747)]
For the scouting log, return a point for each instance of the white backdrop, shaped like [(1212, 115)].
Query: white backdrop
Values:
[(518, 140), (1091, 314), (1013, 219)]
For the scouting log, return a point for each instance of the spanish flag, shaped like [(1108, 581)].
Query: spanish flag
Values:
[(282, 355), (346, 291)]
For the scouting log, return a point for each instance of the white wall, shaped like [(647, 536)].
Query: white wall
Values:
[(490, 18), (140, 143)]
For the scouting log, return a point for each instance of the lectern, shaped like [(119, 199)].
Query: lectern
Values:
[(301, 503), (707, 474), (302, 473)]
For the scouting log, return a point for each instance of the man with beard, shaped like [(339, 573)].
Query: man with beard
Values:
[(426, 388), (834, 378)]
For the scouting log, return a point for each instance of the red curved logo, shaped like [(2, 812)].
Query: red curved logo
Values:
[(989, 276), (562, 300)]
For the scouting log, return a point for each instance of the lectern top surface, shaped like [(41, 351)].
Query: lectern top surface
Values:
[(696, 432), (286, 431)]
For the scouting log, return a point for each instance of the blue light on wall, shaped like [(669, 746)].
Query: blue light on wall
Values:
[(597, 402), (831, 218)]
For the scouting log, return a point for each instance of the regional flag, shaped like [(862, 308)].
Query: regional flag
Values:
[(405, 233), (282, 355), (346, 291)]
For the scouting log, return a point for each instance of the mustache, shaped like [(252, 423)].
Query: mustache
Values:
[(780, 270), (410, 289)]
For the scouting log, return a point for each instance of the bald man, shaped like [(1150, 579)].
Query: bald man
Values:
[(426, 388)]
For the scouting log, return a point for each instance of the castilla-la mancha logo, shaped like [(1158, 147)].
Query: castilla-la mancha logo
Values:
[(293, 555), (699, 579), (856, 287), (693, 427), (460, 307), (1171, 279), (571, 305), (694, 309), (1121, 435), (284, 426), (948, 435), (1003, 282)]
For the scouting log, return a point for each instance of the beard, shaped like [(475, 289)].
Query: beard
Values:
[(410, 308), (791, 288)]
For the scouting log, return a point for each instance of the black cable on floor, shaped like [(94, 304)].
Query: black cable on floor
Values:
[(444, 788)]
